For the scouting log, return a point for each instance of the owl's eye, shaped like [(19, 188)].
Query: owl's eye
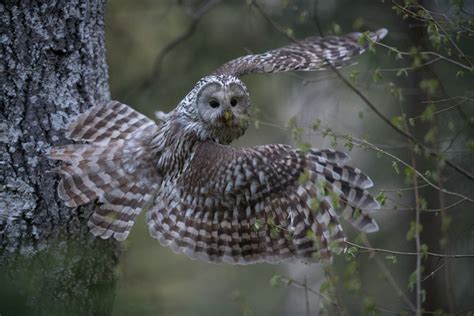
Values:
[(213, 103), (233, 101)]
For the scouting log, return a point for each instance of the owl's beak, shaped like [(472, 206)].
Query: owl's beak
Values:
[(228, 117)]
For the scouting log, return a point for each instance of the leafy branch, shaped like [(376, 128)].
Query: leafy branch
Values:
[(427, 253), (352, 87)]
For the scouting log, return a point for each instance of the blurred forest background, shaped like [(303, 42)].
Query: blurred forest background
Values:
[(420, 80)]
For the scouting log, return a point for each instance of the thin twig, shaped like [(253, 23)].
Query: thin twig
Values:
[(391, 280), (296, 283), (428, 210), (158, 63), (442, 110), (449, 99), (364, 143), (432, 273), (306, 296), (427, 53), (465, 310), (417, 237), (410, 68), (403, 189), (428, 253)]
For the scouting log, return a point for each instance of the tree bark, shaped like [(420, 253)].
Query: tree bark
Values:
[(52, 66)]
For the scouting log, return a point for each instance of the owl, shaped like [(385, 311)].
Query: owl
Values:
[(204, 198)]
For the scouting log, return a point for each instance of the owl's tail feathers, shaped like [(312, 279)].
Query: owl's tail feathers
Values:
[(346, 187), (111, 167)]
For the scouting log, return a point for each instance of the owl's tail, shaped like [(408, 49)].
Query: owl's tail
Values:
[(110, 165)]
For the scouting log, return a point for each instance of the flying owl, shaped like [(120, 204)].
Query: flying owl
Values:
[(204, 198)]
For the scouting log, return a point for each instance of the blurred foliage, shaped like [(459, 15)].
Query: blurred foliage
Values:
[(316, 109)]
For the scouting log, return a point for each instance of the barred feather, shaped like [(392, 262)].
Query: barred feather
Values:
[(310, 54), (255, 207), (112, 167)]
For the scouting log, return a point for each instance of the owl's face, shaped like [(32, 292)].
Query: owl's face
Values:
[(222, 104)]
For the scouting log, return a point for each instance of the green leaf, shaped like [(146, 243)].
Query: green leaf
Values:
[(257, 124), (381, 198), (397, 121), (391, 258), (316, 124), (424, 250), (409, 173), (257, 225), (413, 229), (429, 86), (428, 113), (304, 147), (412, 280), (304, 177), (369, 305), (348, 142), (395, 167), (353, 75), (325, 286), (336, 29), (358, 23), (352, 251), (470, 145), (314, 204), (377, 76), (430, 136), (401, 72), (275, 280)]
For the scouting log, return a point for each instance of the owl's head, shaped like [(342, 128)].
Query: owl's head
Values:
[(220, 106)]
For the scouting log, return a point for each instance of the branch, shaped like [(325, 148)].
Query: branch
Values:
[(373, 147), (428, 210), (427, 53), (157, 65), (431, 19), (417, 236), (367, 145), (388, 275), (288, 281), (428, 150), (432, 254)]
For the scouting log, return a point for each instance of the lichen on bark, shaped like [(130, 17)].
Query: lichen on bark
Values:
[(52, 61)]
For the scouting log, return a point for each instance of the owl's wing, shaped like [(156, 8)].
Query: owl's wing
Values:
[(310, 54), (269, 203), (111, 164)]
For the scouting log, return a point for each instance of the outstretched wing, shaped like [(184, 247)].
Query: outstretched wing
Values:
[(269, 203), (310, 54), (111, 165)]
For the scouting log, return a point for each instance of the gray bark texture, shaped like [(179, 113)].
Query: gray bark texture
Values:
[(52, 67)]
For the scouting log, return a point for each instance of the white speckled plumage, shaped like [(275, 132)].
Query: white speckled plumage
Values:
[(208, 200)]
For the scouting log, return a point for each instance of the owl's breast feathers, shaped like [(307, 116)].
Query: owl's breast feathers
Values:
[(250, 174)]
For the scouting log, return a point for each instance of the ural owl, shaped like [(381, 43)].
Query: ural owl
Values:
[(204, 198)]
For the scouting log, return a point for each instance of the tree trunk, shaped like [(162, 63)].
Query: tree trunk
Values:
[(52, 65)]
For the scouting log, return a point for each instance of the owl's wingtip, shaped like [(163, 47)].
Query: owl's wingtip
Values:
[(381, 33)]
